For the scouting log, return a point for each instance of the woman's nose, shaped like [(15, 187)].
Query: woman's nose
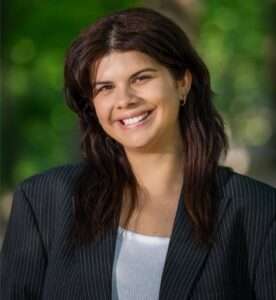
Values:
[(125, 97)]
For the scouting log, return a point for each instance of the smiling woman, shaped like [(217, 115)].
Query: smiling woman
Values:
[(137, 101), (149, 213), (142, 164)]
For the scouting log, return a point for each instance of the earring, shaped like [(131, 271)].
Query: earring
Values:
[(182, 101)]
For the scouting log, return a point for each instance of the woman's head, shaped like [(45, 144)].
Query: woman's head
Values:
[(112, 50), (137, 102), (134, 30)]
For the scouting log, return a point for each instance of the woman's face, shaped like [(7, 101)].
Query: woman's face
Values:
[(137, 100)]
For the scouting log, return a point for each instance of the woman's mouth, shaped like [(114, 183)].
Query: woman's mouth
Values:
[(136, 121)]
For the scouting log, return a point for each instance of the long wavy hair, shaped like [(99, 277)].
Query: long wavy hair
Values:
[(107, 174)]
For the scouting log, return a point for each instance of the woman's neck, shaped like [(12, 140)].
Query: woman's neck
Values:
[(158, 173)]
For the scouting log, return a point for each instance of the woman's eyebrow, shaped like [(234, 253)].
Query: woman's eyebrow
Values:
[(131, 76)]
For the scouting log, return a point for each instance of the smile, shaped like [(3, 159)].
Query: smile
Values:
[(136, 121)]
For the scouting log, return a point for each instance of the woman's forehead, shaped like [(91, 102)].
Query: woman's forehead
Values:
[(117, 62)]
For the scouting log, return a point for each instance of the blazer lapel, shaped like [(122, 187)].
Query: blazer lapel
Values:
[(183, 262), (184, 257), (96, 267)]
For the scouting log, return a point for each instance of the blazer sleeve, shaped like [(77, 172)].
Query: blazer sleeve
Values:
[(265, 280), (23, 257)]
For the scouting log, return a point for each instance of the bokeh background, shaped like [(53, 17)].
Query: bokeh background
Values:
[(236, 39)]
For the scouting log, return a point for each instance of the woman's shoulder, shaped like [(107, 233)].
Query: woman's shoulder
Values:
[(58, 177), (239, 185), (46, 198), (249, 196), (50, 189)]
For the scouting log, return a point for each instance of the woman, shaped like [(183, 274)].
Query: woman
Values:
[(149, 213)]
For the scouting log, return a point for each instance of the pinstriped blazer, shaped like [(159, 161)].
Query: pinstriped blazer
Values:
[(36, 263)]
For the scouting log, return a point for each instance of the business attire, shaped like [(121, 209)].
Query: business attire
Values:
[(37, 263)]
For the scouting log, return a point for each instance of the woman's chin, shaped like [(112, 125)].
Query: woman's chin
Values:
[(138, 146)]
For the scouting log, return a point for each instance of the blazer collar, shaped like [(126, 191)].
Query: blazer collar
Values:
[(183, 262)]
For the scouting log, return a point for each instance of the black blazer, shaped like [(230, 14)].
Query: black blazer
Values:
[(36, 263)]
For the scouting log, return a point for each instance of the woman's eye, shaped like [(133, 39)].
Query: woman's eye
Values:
[(141, 78), (103, 88), (109, 87)]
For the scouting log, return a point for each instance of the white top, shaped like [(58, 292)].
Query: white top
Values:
[(138, 265)]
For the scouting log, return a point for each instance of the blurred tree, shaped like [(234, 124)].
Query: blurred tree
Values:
[(270, 43), (37, 128), (232, 41)]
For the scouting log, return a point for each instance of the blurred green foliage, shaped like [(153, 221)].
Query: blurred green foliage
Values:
[(233, 42), (38, 129)]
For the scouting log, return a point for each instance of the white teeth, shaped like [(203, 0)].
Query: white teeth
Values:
[(134, 120)]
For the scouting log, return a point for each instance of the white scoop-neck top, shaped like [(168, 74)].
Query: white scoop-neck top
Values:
[(138, 265)]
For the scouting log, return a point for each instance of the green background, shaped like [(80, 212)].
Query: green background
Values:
[(235, 38)]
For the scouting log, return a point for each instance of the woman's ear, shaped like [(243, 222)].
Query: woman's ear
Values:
[(185, 83), (184, 86)]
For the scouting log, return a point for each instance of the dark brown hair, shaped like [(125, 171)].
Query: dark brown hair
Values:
[(107, 173)]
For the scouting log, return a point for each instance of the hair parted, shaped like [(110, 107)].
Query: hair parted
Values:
[(107, 174)]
